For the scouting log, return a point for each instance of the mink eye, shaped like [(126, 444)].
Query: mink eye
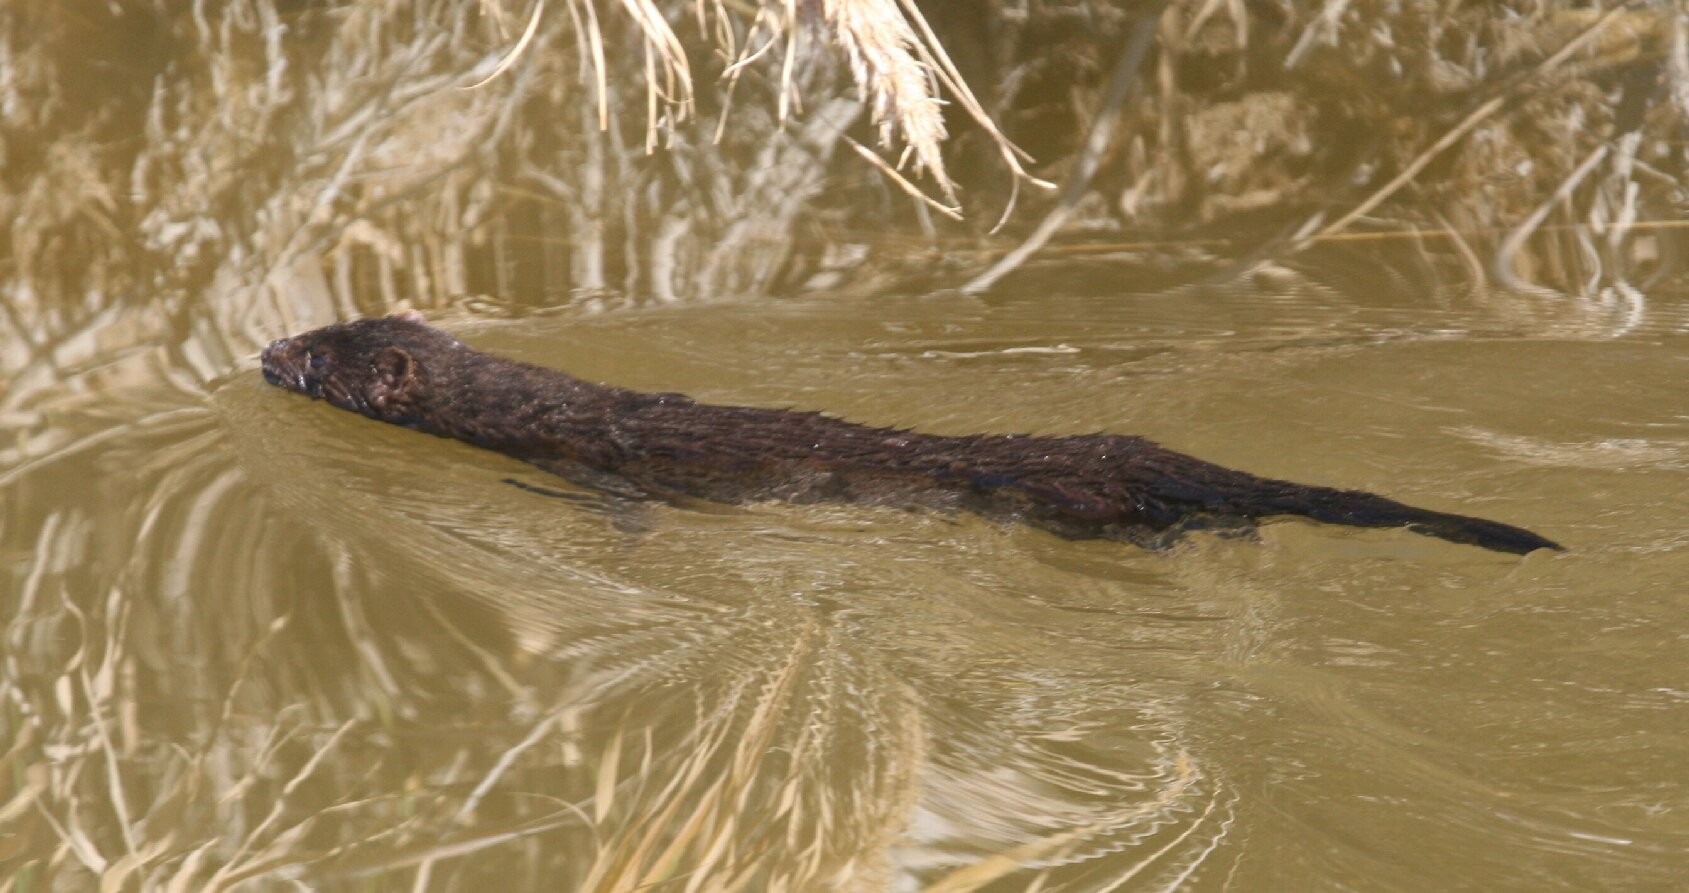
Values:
[(317, 361)]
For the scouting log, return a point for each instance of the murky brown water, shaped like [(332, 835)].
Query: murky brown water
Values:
[(248, 636), (251, 642)]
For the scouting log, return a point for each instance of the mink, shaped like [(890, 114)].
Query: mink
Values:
[(666, 446)]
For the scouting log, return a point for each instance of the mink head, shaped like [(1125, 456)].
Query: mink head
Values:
[(373, 366)]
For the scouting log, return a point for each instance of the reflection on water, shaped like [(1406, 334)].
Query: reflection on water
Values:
[(250, 642), (250, 637)]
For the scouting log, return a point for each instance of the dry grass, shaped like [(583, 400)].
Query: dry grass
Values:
[(572, 150), (1522, 142), (399, 142)]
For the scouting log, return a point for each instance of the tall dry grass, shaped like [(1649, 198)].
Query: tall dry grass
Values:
[(258, 164), (274, 163), (1520, 149)]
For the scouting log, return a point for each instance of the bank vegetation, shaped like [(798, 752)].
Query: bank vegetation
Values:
[(553, 151)]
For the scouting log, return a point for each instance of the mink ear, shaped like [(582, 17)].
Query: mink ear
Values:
[(409, 315), (395, 372)]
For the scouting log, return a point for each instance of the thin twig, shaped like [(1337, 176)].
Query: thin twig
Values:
[(1460, 130), (1102, 134), (515, 51), (903, 182), (1503, 263)]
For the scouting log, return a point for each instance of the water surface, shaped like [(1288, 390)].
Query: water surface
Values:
[(251, 637)]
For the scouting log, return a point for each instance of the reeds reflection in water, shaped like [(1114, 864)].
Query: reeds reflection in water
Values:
[(235, 654), (250, 642)]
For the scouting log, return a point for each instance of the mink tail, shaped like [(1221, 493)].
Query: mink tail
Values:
[(1162, 489), (1361, 509)]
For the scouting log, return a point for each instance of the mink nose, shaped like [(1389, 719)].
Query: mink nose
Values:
[(274, 348)]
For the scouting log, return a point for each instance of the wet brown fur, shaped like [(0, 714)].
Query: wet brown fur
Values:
[(401, 370)]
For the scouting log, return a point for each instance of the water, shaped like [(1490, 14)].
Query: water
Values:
[(251, 637)]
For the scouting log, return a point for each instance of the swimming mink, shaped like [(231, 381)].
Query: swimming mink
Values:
[(402, 370)]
